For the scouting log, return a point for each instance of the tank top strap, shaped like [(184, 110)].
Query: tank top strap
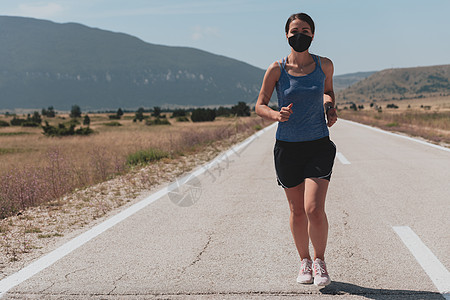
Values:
[(317, 60)]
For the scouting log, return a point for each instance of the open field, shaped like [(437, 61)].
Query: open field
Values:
[(428, 118)]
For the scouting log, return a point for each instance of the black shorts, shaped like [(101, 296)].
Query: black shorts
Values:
[(295, 161)]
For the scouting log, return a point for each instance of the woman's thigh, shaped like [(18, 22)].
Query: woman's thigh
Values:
[(315, 192), (296, 197)]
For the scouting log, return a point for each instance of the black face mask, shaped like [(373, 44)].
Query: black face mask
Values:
[(300, 42)]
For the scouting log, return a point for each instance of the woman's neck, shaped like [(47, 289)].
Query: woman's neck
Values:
[(300, 58)]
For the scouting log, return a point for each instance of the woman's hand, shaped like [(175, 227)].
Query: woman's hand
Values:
[(331, 116), (284, 113)]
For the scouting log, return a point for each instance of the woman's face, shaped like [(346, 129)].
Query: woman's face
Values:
[(299, 26)]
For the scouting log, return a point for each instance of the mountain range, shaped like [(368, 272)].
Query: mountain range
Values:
[(49, 64)]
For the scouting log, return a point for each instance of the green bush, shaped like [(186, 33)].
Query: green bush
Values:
[(86, 120), (84, 131), (17, 121), (182, 119), (3, 123), (62, 130), (114, 123), (146, 156), (30, 124), (157, 121), (391, 106), (73, 122)]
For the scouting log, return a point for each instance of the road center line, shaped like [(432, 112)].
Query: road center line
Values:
[(429, 262), (49, 259), (342, 158)]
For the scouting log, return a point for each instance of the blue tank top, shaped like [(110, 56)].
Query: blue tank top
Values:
[(307, 122)]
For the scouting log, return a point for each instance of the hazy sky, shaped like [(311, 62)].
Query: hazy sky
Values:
[(358, 35)]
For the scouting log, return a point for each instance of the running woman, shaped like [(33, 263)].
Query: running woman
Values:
[(303, 152)]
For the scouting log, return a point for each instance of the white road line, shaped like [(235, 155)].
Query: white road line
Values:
[(342, 158), (429, 262), (398, 135), (47, 260)]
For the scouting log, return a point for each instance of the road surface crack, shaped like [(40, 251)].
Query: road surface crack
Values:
[(47, 288), (73, 272), (199, 255), (115, 283)]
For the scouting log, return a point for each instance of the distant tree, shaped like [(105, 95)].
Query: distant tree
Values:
[(241, 110), (49, 113), (36, 118), (223, 111), (353, 106), (391, 106), (203, 115), (120, 112), (156, 111), (179, 113), (87, 120), (139, 114), (75, 112)]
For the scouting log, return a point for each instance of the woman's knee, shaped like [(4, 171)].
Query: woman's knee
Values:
[(298, 214), (315, 213)]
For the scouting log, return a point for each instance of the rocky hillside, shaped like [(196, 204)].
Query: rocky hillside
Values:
[(393, 84)]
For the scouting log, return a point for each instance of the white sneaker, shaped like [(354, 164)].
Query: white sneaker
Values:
[(305, 274), (321, 277)]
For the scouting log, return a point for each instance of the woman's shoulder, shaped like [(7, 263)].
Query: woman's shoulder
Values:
[(326, 63), (275, 68), (276, 64)]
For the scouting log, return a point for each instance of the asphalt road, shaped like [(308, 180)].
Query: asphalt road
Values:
[(225, 234)]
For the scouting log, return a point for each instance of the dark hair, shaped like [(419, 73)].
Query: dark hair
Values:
[(303, 17)]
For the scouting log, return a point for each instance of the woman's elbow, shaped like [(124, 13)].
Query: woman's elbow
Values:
[(258, 110)]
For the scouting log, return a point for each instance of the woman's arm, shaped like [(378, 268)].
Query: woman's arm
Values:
[(328, 97), (262, 109)]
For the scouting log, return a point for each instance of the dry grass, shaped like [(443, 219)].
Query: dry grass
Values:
[(35, 169), (426, 118)]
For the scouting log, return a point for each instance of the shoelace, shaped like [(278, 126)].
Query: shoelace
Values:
[(306, 267), (319, 268)]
